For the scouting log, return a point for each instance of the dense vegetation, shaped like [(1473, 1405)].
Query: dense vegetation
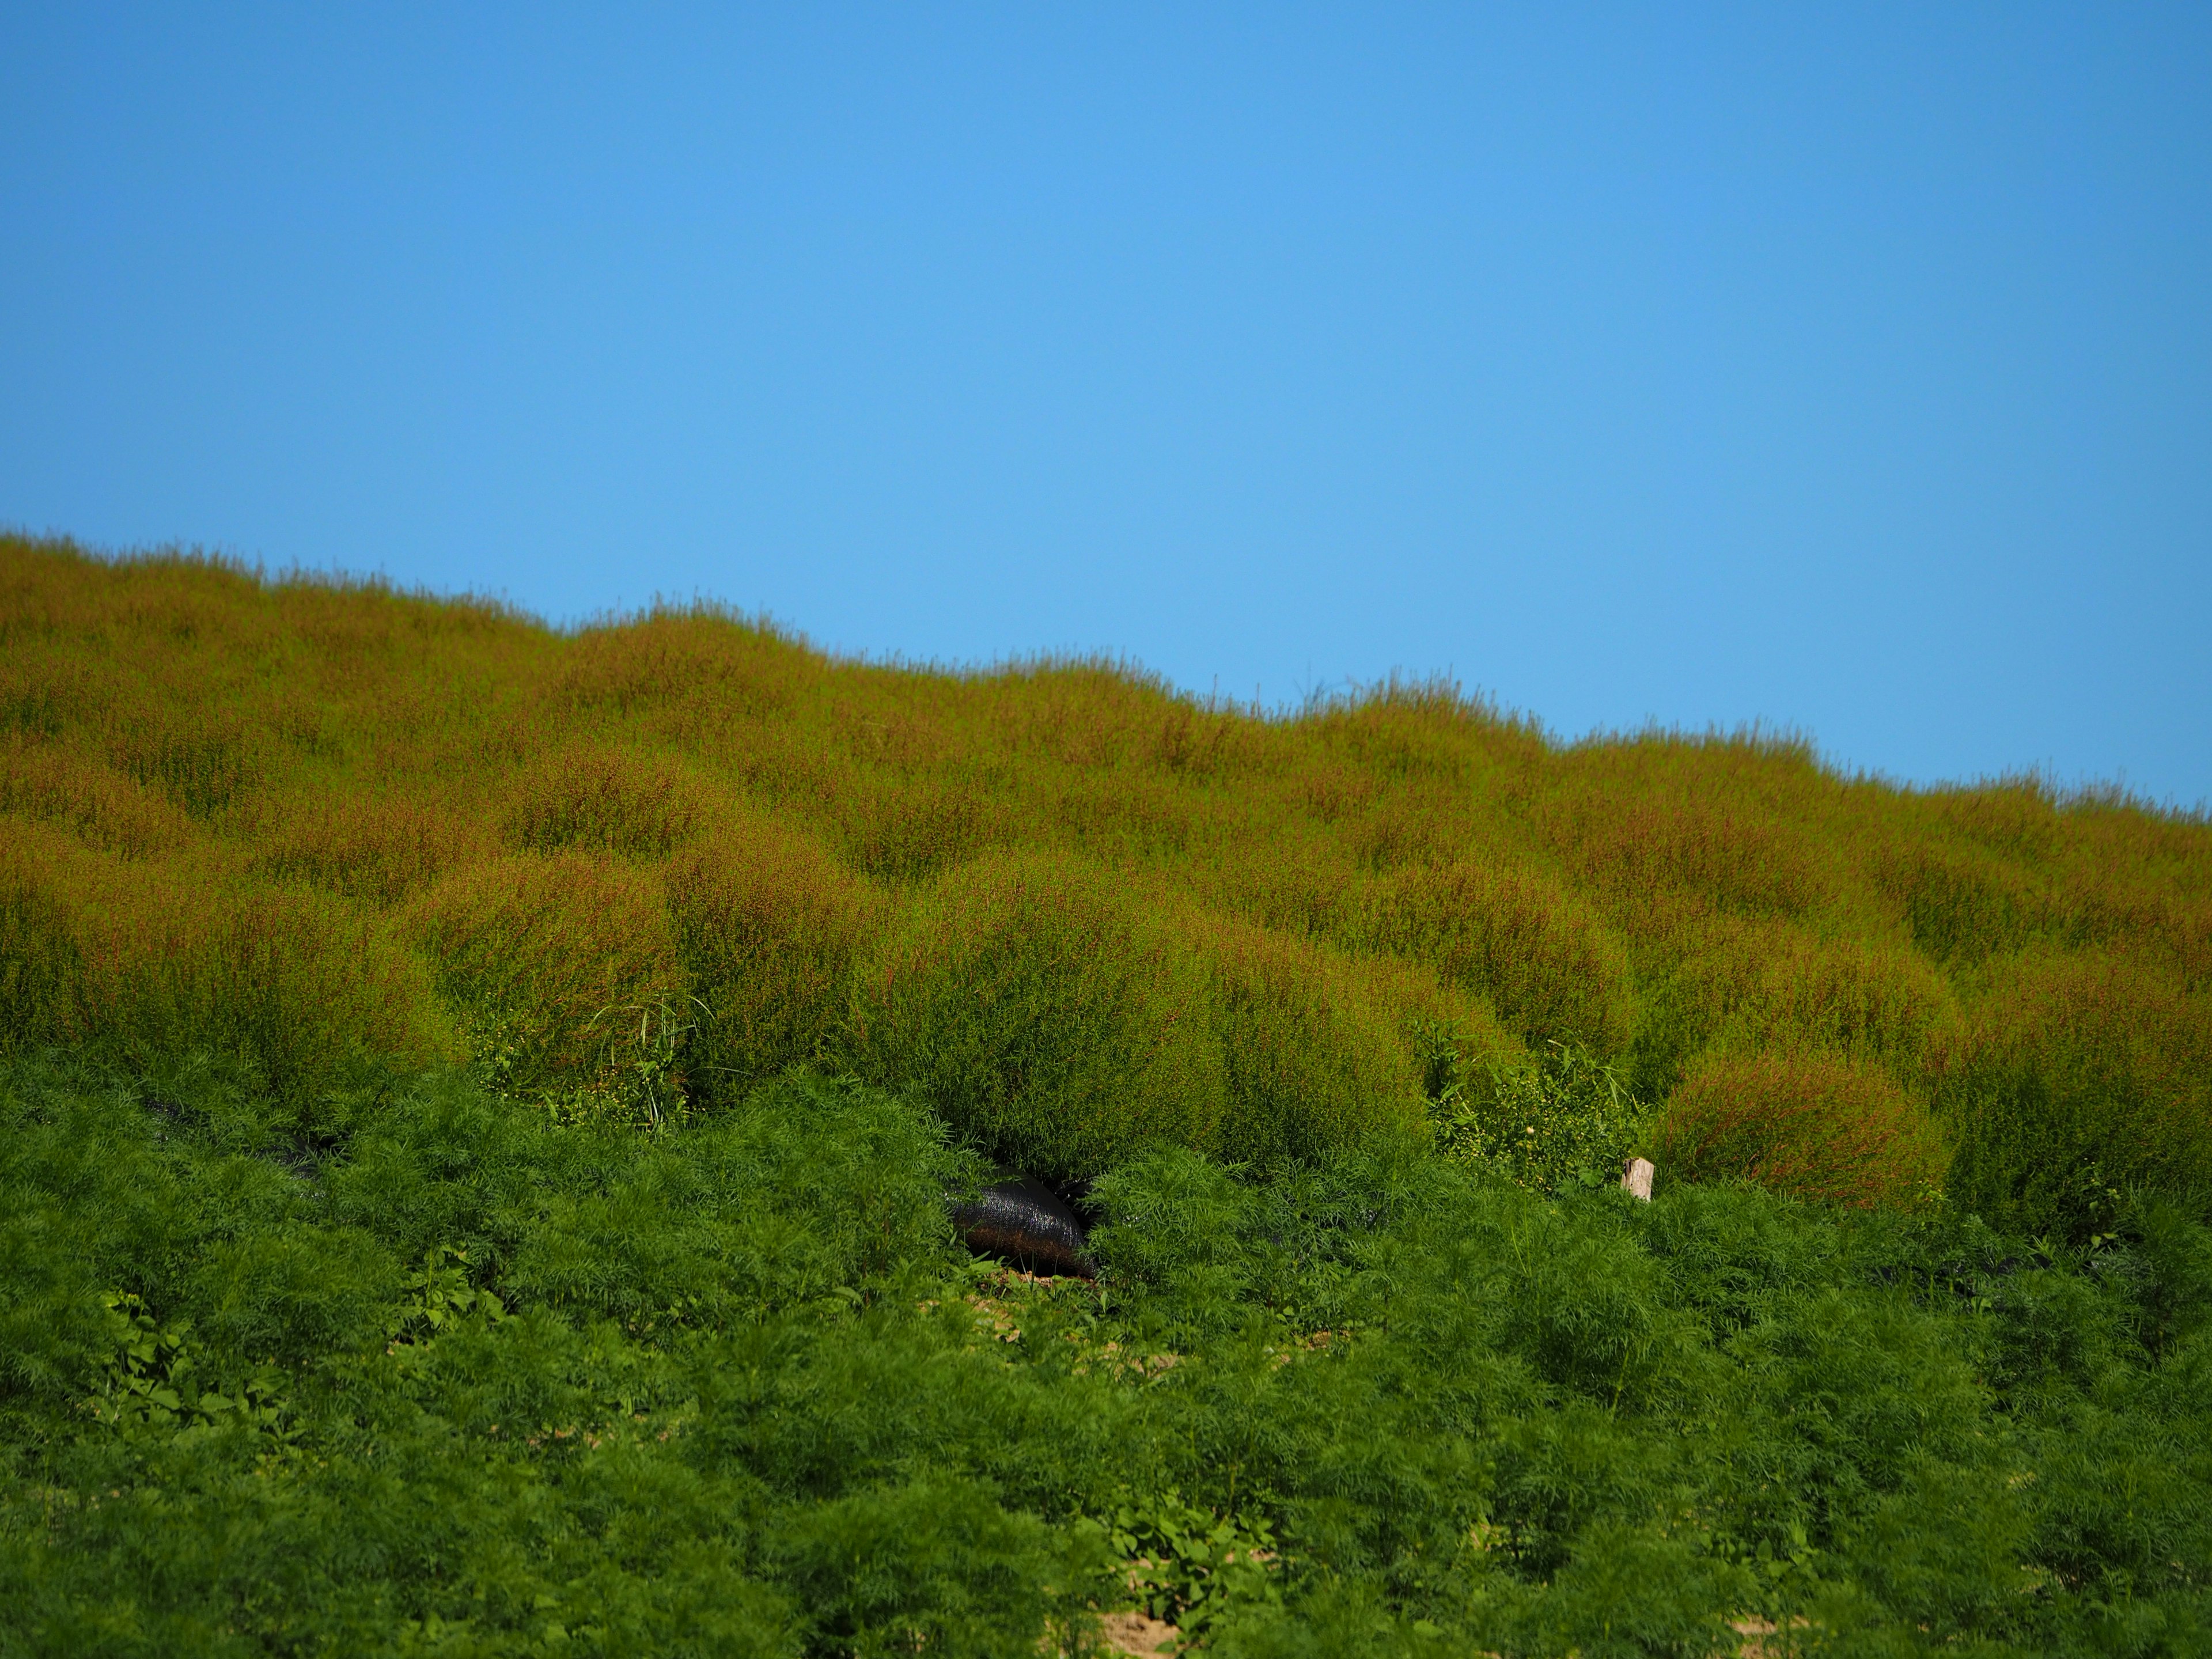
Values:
[(467, 1381), (480, 1105), (308, 827)]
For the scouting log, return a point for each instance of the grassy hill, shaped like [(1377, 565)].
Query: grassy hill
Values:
[(313, 826), (478, 1107)]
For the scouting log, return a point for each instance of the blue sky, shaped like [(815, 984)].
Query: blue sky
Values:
[(1847, 369)]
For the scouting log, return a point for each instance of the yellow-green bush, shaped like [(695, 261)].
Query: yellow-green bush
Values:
[(541, 956), (102, 807), (1551, 970), (767, 927), (595, 797), (1776, 984), (1315, 1053), (170, 958), (1042, 1007), (1813, 1125), (1962, 904), (379, 848), (901, 828), (2074, 1075)]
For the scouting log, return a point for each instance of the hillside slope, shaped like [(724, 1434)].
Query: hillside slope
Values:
[(313, 827)]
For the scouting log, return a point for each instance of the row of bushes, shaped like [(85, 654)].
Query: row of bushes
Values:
[(1056, 1019), (1034, 1001)]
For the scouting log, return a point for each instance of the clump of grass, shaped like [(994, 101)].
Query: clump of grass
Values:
[(381, 849), (594, 798), (1313, 1054), (292, 985), (1552, 971), (532, 950), (102, 807), (1774, 984), (907, 830), (1815, 1126), (2069, 1061)]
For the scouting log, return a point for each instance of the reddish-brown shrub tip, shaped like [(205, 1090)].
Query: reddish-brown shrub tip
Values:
[(379, 848), (905, 830), (598, 798), (1207, 744), (1815, 1126), (712, 669), (767, 924), (530, 950), (1519, 939), (102, 806), (1767, 983), (1317, 1048), (1727, 855)]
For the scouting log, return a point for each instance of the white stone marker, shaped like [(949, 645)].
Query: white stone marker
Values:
[(1636, 1174)]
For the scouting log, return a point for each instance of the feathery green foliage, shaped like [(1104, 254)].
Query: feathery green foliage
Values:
[(443, 1376)]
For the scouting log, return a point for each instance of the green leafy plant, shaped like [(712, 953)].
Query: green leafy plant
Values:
[(644, 1063), (1568, 1120), (1192, 1567), (440, 1297), (153, 1380)]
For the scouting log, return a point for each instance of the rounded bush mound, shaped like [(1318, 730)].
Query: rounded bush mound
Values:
[(767, 927), (1041, 1007), (2075, 1075), (1551, 970), (532, 953), (1815, 1126), (1316, 1052), (1769, 984), (175, 957), (595, 797)]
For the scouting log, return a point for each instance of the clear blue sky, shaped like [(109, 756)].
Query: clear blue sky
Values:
[(1844, 367)]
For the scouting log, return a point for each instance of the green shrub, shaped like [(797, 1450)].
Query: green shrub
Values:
[(535, 951), (1314, 1052), (2075, 1074), (466, 1379), (1046, 1011), (599, 798), (1568, 1122), (1816, 1126), (768, 927), (164, 957), (1551, 969)]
